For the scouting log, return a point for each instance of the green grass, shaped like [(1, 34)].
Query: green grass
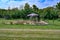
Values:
[(9, 38), (30, 26), (44, 35), (19, 35), (56, 25)]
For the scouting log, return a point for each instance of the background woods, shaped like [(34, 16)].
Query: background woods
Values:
[(45, 13)]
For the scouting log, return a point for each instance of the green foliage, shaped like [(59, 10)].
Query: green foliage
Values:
[(58, 6), (35, 8), (15, 13), (50, 13), (27, 6)]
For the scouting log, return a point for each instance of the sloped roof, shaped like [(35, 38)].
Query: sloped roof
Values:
[(32, 14)]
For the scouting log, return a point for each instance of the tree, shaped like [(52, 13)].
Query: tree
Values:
[(27, 10), (27, 6), (47, 13), (50, 13), (58, 6), (35, 8)]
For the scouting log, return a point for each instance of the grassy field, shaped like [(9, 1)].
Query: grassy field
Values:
[(56, 25), (29, 34), (17, 32)]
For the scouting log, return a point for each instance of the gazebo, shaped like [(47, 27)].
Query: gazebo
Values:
[(33, 17)]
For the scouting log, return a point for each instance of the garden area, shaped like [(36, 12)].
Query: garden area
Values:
[(50, 25)]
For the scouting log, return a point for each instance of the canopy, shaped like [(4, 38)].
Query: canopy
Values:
[(32, 14)]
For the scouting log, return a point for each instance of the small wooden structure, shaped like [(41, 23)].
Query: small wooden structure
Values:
[(34, 17)]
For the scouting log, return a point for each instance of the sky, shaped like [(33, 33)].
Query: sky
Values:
[(4, 4)]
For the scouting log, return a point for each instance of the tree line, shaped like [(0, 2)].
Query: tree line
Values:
[(45, 13)]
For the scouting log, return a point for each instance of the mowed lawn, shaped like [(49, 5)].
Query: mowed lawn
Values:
[(29, 34), (56, 25)]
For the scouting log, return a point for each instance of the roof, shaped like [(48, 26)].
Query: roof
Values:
[(32, 14)]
